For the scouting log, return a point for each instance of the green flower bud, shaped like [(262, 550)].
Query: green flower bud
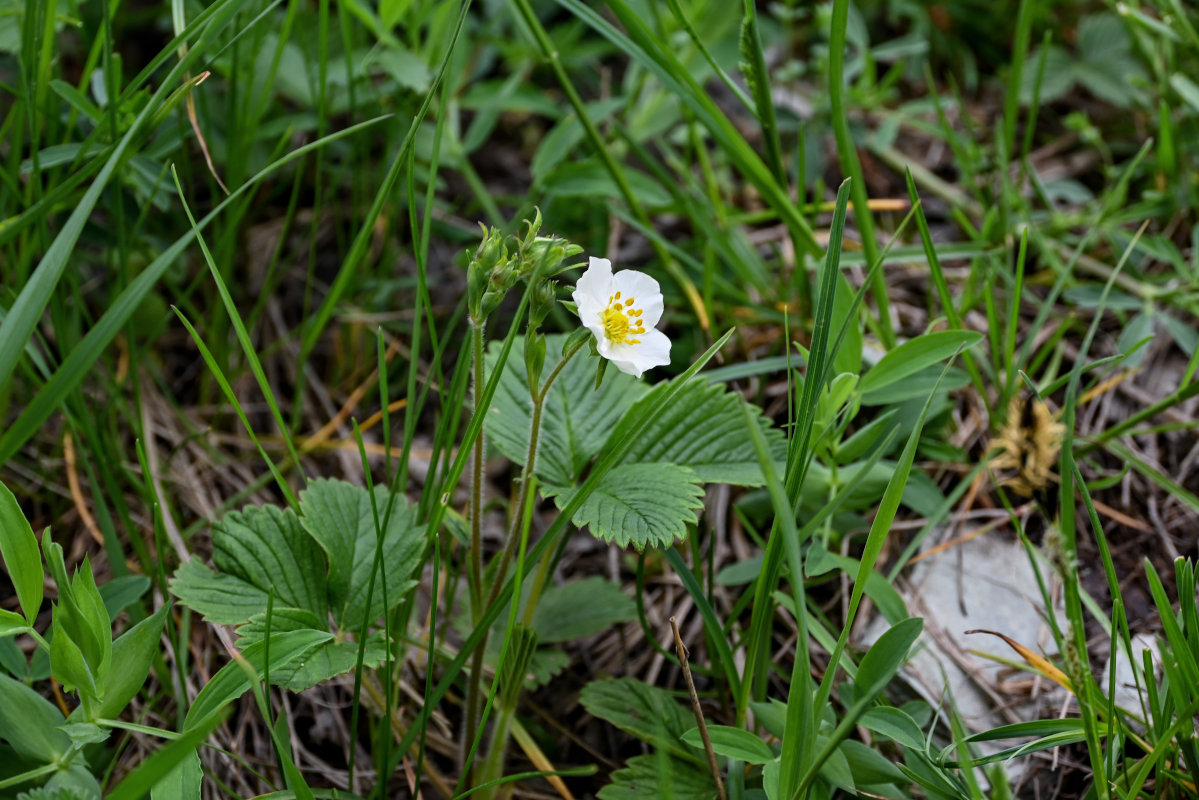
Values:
[(489, 275)]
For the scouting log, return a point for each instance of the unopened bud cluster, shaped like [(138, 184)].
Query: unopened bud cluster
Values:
[(502, 260)]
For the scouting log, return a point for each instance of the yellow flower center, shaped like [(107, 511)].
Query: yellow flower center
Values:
[(622, 321)]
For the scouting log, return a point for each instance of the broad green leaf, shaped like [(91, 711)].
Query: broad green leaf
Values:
[(895, 724), (30, 722), (581, 608), (84, 733), (732, 743), (646, 712), (18, 546), (254, 550), (645, 505), (163, 762), (120, 593), (590, 179), (94, 615), (133, 653), (68, 663), (914, 355), (182, 782), (885, 657), (655, 776), (340, 517), (818, 561), (835, 768), (918, 386), (868, 766), (848, 358), (771, 714), (1186, 89), (703, 429), (231, 681), (577, 417), (12, 623), (740, 573)]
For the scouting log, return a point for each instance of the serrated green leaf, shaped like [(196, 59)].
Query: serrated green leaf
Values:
[(1101, 37), (221, 599), (322, 662), (653, 777), (231, 681), (29, 723), (645, 505), (1057, 79), (644, 711), (340, 517), (703, 429), (18, 547), (577, 417), (914, 355), (581, 608), (328, 660), (732, 743), (546, 663), (266, 546), (254, 550)]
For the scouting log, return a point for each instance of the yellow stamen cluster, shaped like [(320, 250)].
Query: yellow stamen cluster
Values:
[(621, 321)]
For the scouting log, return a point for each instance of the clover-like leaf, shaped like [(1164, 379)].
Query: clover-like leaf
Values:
[(645, 505)]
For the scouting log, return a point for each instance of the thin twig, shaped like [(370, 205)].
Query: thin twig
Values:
[(699, 714)]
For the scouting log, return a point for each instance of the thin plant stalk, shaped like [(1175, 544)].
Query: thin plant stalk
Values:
[(526, 484)]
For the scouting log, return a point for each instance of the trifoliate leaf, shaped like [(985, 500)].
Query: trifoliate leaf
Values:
[(703, 428), (577, 417), (645, 505), (340, 517), (582, 608)]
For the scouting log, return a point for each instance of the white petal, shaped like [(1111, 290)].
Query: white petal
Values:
[(652, 351), (645, 290), (593, 290)]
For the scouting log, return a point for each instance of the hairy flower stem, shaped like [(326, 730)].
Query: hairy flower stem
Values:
[(476, 484), (473, 692), (475, 574)]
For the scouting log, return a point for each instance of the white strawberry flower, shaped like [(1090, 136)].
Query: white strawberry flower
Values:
[(621, 309)]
